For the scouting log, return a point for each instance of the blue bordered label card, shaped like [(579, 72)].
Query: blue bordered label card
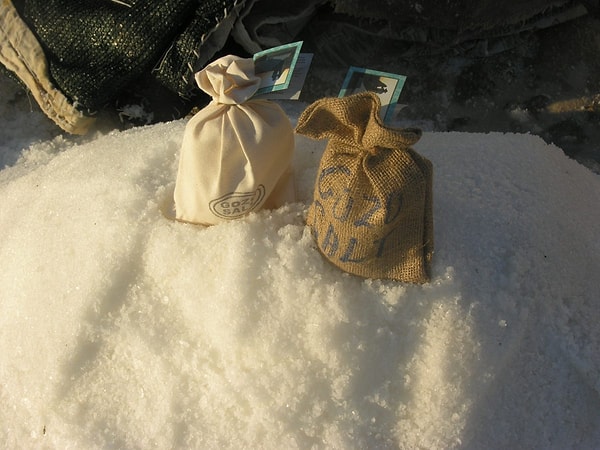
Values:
[(387, 86), (276, 67), (296, 81)]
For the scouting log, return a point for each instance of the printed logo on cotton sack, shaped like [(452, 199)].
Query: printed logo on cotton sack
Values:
[(237, 204)]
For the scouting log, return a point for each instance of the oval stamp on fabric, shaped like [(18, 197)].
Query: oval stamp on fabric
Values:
[(237, 204)]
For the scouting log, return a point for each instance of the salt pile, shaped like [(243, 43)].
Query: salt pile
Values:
[(122, 329)]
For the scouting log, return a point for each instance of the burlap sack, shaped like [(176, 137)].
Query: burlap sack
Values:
[(236, 152), (372, 210)]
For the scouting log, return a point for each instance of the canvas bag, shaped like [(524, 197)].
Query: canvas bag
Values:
[(236, 152), (372, 209)]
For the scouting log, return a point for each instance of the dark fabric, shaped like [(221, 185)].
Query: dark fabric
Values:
[(186, 55), (450, 15), (96, 48), (356, 32), (106, 53), (269, 23)]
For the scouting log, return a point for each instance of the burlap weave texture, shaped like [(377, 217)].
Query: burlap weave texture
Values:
[(372, 209)]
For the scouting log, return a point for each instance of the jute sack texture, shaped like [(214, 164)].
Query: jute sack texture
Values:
[(236, 152), (372, 209)]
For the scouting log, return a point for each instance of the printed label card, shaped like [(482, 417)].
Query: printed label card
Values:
[(387, 86), (283, 71)]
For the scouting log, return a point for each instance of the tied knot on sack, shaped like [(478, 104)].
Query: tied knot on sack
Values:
[(230, 80), (371, 213), (354, 122)]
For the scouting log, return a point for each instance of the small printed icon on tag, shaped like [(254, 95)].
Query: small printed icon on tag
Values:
[(387, 86), (282, 70)]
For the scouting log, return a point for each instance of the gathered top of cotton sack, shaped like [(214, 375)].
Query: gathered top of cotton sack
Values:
[(229, 80), (236, 152)]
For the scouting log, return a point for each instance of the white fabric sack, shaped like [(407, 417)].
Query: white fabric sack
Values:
[(236, 153)]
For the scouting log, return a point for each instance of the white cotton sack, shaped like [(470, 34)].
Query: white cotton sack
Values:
[(236, 152)]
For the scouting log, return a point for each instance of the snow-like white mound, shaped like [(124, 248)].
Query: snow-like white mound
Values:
[(122, 329)]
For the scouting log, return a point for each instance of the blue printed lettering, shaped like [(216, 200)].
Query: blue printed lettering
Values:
[(347, 256), (393, 206), (343, 216), (381, 248), (365, 219), (327, 172), (330, 242)]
